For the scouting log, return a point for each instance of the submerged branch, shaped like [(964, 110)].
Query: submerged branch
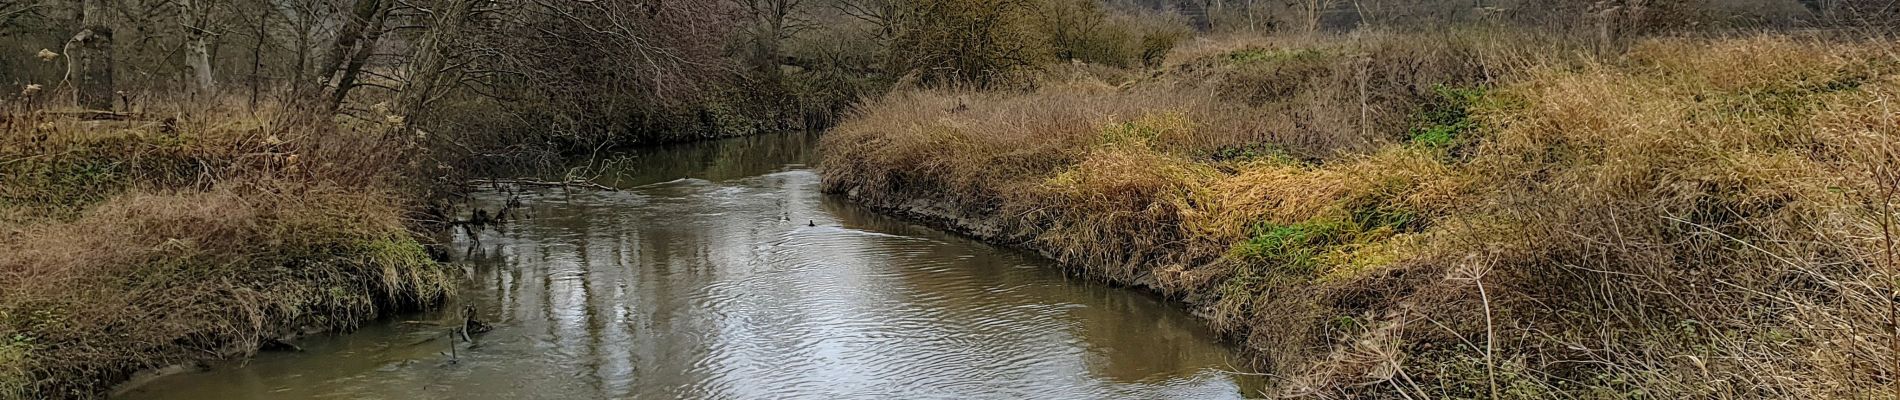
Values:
[(531, 182)]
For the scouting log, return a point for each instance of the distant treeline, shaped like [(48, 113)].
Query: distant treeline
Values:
[(501, 78)]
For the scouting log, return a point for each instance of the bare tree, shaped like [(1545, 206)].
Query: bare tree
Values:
[(346, 77), (771, 22)]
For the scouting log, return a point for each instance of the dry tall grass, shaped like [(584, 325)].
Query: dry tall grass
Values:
[(1693, 217), (190, 234)]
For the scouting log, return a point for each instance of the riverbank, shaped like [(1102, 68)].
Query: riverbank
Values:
[(185, 236), (1462, 214)]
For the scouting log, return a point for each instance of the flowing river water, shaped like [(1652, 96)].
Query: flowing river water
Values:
[(721, 271)]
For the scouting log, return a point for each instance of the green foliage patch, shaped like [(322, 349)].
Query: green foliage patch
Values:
[(1446, 122)]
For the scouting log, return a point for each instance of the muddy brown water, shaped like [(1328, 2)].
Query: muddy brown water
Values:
[(721, 271)]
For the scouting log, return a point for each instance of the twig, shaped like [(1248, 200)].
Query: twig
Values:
[(453, 358), (1886, 182), (1885, 177)]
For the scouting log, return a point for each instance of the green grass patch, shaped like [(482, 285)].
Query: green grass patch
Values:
[(1377, 215), (1446, 122), (1292, 249), (1277, 255)]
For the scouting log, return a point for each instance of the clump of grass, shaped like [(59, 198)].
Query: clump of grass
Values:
[(963, 145), (1086, 210)]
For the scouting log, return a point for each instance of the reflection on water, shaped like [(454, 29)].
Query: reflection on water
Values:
[(722, 272)]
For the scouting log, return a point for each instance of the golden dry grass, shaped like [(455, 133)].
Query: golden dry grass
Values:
[(1694, 217), (128, 245)]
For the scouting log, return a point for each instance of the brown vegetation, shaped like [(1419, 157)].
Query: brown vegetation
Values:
[(1362, 209), (1457, 215), (129, 245), (195, 176)]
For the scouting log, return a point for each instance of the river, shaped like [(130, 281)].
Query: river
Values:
[(719, 270)]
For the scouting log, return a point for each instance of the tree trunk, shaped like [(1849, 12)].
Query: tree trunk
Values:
[(257, 55), (196, 14), (198, 61), (362, 14), (765, 52), (1312, 15), (89, 58), (364, 48), (303, 58)]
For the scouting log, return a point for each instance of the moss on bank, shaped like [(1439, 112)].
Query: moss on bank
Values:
[(1695, 217), (127, 246)]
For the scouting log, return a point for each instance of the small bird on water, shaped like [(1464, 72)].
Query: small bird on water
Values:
[(811, 223)]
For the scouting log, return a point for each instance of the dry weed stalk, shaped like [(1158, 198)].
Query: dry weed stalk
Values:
[(1884, 174)]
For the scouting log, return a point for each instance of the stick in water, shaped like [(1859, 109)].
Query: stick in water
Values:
[(453, 358)]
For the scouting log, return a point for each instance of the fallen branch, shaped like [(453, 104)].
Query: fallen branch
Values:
[(531, 182), (94, 115)]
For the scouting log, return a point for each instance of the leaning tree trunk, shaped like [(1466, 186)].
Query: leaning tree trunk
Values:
[(362, 14), (346, 79), (89, 58)]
